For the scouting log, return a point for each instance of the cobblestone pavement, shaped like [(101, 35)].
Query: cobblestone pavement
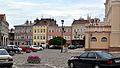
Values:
[(50, 58)]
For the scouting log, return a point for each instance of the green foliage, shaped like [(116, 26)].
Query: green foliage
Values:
[(57, 41)]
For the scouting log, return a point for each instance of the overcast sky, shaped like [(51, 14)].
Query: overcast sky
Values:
[(18, 11)]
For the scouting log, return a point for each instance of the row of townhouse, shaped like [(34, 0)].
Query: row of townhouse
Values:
[(41, 31)]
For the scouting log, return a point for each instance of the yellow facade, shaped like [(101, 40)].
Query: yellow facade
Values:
[(110, 29), (39, 35), (97, 36)]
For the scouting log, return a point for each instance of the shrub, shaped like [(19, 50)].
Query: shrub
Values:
[(34, 59)]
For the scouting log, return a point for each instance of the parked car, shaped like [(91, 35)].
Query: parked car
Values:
[(94, 59), (36, 47), (5, 59), (15, 47), (79, 46), (12, 48), (54, 47), (71, 47), (26, 48)]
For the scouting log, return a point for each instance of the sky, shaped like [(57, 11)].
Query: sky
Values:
[(18, 11)]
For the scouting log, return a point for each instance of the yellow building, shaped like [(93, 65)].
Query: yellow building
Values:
[(40, 30), (39, 35)]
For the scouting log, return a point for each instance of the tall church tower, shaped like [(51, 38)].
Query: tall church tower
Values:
[(112, 16)]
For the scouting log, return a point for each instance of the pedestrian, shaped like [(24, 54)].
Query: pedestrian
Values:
[(62, 49), (66, 48)]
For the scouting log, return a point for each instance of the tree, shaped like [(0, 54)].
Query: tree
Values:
[(57, 41)]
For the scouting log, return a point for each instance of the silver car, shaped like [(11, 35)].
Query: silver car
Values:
[(5, 59)]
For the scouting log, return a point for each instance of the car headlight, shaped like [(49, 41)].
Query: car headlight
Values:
[(10, 59)]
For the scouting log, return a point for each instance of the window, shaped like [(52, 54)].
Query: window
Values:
[(41, 30), (37, 37), (81, 30), (40, 37), (38, 30), (15, 43), (91, 55), (52, 30), (18, 43), (35, 31), (22, 37), (84, 55), (30, 31), (44, 30), (68, 30), (57, 30), (74, 30), (93, 39), (104, 39), (74, 36), (105, 55), (27, 37), (3, 52), (34, 43), (43, 37), (34, 37), (38, 44), (49, 30)]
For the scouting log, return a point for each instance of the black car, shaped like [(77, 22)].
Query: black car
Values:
[(54, 47), (79, 46), (72, 47), (94, 59)]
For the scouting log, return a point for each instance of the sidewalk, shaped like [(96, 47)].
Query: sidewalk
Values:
[(78, 50)]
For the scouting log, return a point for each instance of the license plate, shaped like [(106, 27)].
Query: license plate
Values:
[(117, 61)]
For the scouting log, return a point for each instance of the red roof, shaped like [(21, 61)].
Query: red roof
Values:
[(80, 21)]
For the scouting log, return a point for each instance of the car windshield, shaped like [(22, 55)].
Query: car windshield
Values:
[(105, 55), (3, 52), (15, 47), (35, 46)]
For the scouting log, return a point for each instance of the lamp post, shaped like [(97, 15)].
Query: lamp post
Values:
[(62, 21), (76, 37)]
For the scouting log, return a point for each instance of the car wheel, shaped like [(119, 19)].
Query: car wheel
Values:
[(71, 65), (96, 66), (10, 66)]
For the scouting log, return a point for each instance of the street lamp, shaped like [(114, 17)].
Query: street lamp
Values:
[(62, 21)]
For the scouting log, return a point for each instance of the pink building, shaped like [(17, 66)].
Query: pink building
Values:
[(54, 31)]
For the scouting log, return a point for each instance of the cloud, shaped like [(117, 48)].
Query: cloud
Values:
[(20, 10)]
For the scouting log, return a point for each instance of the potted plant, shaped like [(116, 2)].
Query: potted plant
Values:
[(33, 59)]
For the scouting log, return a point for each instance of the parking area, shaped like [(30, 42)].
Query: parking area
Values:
[(50, 58)]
